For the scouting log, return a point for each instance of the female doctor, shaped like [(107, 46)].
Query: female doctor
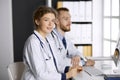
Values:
[(40, 63)]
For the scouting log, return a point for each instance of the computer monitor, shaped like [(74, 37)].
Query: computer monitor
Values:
[(116, 55)]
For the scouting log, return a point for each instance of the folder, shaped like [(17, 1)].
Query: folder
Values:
[(59, 4)]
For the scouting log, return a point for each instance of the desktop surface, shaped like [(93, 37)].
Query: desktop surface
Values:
[(108, 67)]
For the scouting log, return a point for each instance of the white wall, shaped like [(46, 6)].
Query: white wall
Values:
[(6, 37), (97, 28)]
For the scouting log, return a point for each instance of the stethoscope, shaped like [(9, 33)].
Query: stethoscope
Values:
[(60, 47), (41, 43)]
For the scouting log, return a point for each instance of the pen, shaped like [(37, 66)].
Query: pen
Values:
[(88, 73)]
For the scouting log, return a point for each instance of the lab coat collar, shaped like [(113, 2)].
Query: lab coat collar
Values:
[(58, 34), (58, 40), (41, 38)]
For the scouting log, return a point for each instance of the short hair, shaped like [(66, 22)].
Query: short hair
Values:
[(41, 11), (62, 9)]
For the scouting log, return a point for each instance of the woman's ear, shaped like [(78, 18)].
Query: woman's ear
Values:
[(37, 22)]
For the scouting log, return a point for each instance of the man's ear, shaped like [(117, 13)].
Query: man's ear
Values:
[(56, 21)]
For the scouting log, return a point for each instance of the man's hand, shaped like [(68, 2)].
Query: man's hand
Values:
[(90, 62), (75, 61), (79, 68)]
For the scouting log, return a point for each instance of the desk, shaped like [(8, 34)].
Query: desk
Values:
[(106, 66), (85, 76)]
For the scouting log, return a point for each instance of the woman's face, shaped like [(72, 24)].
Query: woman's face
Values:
[(46, 23)]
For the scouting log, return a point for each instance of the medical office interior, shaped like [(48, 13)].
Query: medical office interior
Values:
[(94, 30)]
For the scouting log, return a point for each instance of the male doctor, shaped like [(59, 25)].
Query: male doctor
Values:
[(67, 54)]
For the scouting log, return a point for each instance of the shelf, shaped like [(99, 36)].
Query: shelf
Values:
[(74, 0), (81, 27), (83, 44), (81, 22)]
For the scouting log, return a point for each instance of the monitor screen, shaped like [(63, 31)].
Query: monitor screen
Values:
[(116, 55)]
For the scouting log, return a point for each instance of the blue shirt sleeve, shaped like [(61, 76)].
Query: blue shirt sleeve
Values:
[(63, 76), (66, 69)]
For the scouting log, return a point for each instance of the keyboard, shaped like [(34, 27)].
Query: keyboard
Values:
[(92, 71)]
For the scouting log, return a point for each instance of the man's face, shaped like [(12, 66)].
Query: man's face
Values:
[(64, 21)]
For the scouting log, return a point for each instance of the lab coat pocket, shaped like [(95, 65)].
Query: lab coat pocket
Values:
[(50, 64), (61, 55)]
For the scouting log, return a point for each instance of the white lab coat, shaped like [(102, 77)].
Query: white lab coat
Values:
[(61, 53), (38, 60)]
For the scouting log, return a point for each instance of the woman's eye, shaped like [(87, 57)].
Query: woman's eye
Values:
[(46, 20)]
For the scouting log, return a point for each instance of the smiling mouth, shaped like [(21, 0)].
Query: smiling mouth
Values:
[(49, 28)]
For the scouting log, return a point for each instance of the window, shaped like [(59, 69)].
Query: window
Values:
[(111, 23)]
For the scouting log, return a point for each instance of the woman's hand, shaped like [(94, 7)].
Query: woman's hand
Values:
[(73, 71)]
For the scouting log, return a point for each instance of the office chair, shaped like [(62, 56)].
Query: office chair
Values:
[(15, 70)]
